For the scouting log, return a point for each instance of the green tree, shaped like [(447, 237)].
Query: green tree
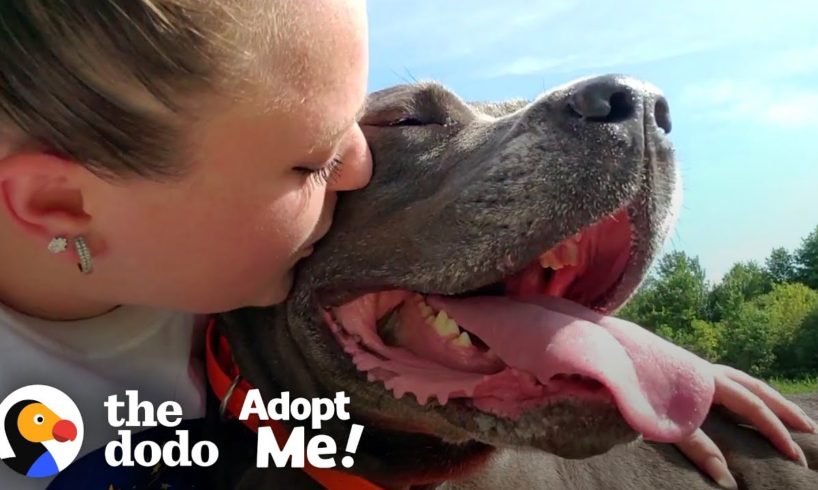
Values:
[(743, 282), (639, 309), (763, 320), (751, 345), (705, 339), (679, 293), (672, 298), (806, 261), (788, 307), (764, 337), (804, 348), (780, 265)]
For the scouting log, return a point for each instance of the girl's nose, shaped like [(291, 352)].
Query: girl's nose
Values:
[(357, 163)]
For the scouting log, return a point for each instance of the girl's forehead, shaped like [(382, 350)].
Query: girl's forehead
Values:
[(308, 49)]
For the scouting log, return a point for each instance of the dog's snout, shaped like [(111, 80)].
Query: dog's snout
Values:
[(613, 99)]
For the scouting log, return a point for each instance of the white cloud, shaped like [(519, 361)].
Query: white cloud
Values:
[(592, 59), (794, 62), (758, 101), (526, 65), (524, 37), (435, 31), (798, 110)]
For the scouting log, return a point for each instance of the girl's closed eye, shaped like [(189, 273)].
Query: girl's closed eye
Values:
[(324, 174)]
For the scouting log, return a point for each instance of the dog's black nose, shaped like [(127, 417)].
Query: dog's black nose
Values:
[(613, 99)]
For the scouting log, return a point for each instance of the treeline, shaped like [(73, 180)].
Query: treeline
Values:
[(761, 318)]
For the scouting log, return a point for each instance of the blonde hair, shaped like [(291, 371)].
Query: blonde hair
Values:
[(112, 83)]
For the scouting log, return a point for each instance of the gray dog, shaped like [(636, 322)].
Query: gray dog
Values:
[(460, 300)]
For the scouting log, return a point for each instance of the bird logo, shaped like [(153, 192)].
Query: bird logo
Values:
[(42, 431)]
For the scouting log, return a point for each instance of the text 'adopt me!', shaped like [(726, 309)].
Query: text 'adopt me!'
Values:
[(320, 450)]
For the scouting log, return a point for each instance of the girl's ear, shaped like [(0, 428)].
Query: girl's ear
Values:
[(42, 193)]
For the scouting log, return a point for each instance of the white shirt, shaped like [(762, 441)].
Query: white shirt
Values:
[(156, 352)]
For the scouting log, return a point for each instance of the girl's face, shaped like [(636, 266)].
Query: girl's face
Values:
[(261, 191)]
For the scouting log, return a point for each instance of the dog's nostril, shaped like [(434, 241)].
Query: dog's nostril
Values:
[(661, 112), (622, 107), (598, 103)]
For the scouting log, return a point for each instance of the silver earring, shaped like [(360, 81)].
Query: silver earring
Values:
[(58, 245), (86, 265)]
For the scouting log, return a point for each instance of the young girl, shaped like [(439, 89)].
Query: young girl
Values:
[(164, 159)]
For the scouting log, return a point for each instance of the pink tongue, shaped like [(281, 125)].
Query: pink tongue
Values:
[(662, 391)]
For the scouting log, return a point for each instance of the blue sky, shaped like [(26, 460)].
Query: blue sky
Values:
[(741, 77)]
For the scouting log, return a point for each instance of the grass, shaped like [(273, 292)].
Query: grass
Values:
[(795, 386)]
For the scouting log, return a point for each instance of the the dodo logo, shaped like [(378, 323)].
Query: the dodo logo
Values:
[(41, 433)]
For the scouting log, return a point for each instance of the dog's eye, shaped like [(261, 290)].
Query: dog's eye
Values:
[(401, 118), (408, 121)]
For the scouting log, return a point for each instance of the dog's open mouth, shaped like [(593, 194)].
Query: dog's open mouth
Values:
[(527, 341)]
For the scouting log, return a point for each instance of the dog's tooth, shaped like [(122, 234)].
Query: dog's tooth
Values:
[(445, 326), (571, 253), (425, 309), (463, 340), (557, 266), (549, 260)]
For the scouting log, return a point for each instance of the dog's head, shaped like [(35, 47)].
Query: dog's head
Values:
[(434, 302)]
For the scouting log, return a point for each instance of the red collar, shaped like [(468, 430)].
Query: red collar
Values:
[(222, 373)]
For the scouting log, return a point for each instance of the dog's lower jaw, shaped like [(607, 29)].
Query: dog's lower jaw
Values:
[(389, 451), (401, 460)]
